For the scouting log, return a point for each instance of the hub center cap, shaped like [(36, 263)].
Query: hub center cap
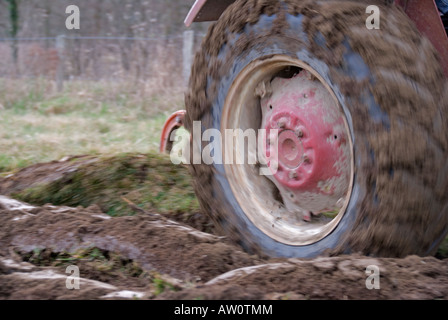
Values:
[(290, 149)]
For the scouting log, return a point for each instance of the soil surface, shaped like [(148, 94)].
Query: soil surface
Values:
[(148, 256)]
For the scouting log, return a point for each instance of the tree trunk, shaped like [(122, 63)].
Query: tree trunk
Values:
[(14, 28)]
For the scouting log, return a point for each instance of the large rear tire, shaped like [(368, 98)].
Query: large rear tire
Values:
[(389, 86)]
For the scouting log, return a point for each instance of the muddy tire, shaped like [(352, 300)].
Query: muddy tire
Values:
[(389, 86)]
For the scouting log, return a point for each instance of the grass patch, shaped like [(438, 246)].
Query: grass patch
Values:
[(161, 285), (150, 181), (331, 214), (38, 125)]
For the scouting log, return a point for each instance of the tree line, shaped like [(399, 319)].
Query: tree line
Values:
[(46, 18)]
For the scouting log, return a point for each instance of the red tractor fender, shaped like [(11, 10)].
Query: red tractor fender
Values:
[(424, 13), (175, 121), (207, 10), (426, 17)]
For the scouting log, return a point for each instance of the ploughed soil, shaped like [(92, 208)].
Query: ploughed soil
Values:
[(154, 243), (149, 255)]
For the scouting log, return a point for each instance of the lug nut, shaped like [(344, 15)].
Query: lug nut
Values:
[(306, 159), (281, 124), (293, 175), (299, 133)]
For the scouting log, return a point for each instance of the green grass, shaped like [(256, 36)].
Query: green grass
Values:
[(38, 125), (161, 285), (150, 181), (442, 252)]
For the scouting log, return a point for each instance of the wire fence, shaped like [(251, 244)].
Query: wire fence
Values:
[(63, 58)]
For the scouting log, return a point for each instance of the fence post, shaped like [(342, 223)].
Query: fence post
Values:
[(187, 53), (60, 46)]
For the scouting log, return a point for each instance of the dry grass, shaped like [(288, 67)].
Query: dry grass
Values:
[(106, 117)]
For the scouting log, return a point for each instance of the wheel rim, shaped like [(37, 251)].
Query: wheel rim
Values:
[(313, 176)]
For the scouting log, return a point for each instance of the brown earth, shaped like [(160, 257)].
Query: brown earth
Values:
[(148, 256)]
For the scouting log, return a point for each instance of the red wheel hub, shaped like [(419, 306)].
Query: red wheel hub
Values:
[(290, 149), (311, 142)]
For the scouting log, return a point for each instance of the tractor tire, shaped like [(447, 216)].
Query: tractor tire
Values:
[(392, 92)]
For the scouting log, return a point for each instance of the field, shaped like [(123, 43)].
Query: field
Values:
[(97, 194)]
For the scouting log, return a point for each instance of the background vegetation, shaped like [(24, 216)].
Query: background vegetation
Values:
[(119, 87)]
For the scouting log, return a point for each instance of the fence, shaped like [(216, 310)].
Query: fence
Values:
[(163, 59)]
